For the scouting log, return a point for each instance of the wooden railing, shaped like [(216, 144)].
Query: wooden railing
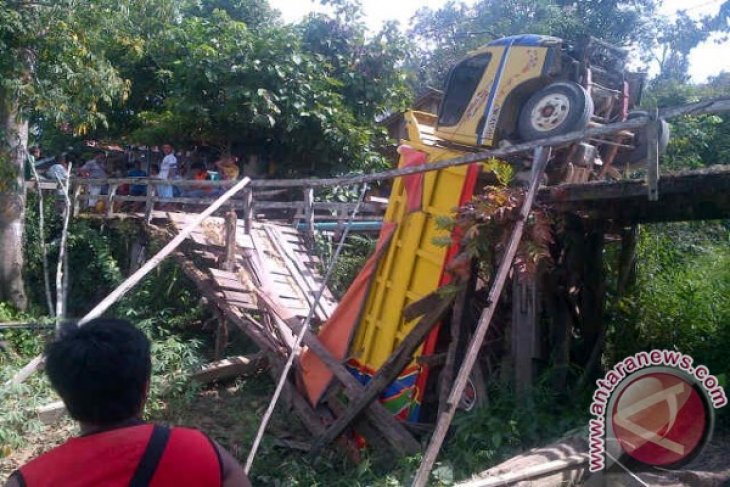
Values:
[(250, 203)]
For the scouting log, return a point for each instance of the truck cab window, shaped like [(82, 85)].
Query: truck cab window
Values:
[(463, 81)]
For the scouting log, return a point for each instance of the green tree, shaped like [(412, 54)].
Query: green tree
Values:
[(307, 95), (51, 63)]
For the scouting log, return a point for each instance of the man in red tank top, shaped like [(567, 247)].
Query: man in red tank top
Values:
[(102, 373)]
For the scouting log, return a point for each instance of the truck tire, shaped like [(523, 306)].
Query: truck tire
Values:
[(637, 156), (557, 109)]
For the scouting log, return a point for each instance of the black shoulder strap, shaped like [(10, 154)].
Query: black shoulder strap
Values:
[(151, 457)]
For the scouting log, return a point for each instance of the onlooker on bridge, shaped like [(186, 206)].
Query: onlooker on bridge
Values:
[(94, 169), (168, 171), (228, 166), (199, 173), (58, 171), (137, 172)]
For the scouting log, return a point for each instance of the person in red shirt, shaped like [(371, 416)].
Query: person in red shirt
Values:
[(102, 372)]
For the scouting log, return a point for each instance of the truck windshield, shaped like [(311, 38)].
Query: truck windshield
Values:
[(463, 81)]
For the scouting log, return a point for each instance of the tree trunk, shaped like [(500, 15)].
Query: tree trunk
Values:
[(13, 142)]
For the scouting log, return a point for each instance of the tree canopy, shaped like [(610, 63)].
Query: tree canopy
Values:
[(231, 75)]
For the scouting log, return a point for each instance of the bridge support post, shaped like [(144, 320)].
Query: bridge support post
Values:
[(652, 156), (229, 262), (525, 329), (149, 202), (247, 209), (309, 213)]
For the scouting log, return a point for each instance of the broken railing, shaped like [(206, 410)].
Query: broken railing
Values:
[(250, 203)]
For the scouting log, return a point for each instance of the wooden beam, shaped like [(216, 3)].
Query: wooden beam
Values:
[(422, 306), (309, 213), (533, 472), (444, 420), (455, 330), (231, 221), (701, 194), (247, 210), (232, 367), (525, 317), (386, 374), (393, 431)]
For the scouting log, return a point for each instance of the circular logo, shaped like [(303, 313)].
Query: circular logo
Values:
[(661, 418)]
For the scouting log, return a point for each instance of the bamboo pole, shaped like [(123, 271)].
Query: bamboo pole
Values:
[(447, 415), (135, 278), (42, 238), (62, 266)]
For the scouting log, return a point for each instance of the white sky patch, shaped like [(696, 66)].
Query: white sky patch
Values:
[(707, 59)]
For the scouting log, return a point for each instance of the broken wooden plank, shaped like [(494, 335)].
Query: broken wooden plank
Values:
[(207, 289), (292, 444), (308, 416), (394, 432), (229, 368), (652, 156), (229, 262), (564, 464), (422, 306), (386, 374), (304, 278), (239, 299)]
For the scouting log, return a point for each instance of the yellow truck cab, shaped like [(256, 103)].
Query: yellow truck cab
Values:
[(530, 87)]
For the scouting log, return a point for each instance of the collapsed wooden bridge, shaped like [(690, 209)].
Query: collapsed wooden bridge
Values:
[(261, 278)]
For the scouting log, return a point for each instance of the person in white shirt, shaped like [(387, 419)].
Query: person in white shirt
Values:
[(168, 171), (58, 172), (94, 169)]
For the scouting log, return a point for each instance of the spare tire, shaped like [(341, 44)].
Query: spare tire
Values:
[(637, 155), (557, 109)]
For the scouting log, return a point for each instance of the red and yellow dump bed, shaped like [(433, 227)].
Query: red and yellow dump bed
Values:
[(407, 265)]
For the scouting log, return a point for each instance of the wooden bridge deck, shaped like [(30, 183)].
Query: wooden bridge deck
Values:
[(700, 194)]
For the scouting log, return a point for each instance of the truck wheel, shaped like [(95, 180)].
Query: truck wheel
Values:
[(557, 109), (637, 156)]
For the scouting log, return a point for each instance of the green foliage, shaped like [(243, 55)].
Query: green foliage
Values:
[(680, 300), (696, 142), (508, 425), (486, 224), (229, 74), (356, 251), (17, 418), (52, 60), (448, 33)]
